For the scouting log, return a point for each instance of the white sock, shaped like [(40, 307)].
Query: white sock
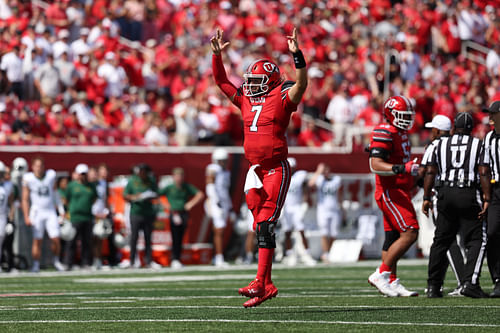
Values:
[(36, 265), (219, 258)]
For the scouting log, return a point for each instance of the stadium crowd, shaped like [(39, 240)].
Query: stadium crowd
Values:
[(69, 77)]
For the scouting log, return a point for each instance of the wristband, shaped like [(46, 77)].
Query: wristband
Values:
[(298, 59), (427, 198), (486, 200), (398, 169)]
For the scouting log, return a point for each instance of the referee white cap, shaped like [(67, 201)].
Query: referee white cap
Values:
[(440, 122)]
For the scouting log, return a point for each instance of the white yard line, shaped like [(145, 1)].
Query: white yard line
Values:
[(166, 278), (340, 307), (238, 321), (205, 268)]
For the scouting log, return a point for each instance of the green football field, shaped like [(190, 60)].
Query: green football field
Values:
[(196, 299)]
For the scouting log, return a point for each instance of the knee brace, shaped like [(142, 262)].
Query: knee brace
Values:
[(266, 237), (390, 237)]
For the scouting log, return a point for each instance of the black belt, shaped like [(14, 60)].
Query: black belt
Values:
[(461, 184)]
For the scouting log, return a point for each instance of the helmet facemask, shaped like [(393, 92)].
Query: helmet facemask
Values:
[(403, 119), (255, 84)]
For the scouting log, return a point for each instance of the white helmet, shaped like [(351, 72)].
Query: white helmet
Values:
[(20, 164), (102, 228), (68, 232), (3, 168), (219, 154), (9, 228), (292, 161), (119, 241)]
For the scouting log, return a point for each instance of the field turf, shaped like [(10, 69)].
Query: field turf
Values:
[(203, 299)]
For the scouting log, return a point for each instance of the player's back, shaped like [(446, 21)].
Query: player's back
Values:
[(265, 120)]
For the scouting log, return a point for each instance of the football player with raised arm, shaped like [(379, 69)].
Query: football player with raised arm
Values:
[(266, 102), (390, 161)]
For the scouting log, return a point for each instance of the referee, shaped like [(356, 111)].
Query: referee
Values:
[(440, 127), (456, 162), (491, 159)]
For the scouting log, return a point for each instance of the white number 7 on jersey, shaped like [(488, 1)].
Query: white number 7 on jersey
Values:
[(257, 109)]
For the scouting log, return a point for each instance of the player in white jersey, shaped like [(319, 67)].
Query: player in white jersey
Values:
[(328, 213), (293, 214), (218, 204), (6, 199), (39, 203)]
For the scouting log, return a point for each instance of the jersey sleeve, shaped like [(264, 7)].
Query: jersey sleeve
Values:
[(484, 155), (192, 190), (211, 169), (381, 142), (238, 98), (26, 179), (429, 151), (288, 105), (337, 181), (128, 188), (319, 181)]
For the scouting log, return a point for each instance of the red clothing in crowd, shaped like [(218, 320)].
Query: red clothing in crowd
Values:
[(113, 114), (449, 29)]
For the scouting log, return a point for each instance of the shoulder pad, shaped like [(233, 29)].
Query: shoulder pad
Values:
[(386, 127), (286, 85)]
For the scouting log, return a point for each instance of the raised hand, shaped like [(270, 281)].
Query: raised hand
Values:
[(217, 43), (293, 44)]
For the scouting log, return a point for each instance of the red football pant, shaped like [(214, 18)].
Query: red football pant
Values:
[(398, 210), (266, 203)]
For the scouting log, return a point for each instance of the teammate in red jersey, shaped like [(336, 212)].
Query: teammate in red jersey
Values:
[(390, 161), (266, 102)]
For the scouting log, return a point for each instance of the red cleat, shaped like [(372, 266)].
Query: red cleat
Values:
[(254, 289), (271, 292)]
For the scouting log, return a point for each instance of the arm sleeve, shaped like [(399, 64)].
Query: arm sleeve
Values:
[(221, 78), (428, 154), (127, 189), (288, 105), (192, 190), (484, 155), (211, 192), (381, 143)]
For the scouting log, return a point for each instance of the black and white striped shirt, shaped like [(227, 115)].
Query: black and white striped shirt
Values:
[(491, 154), (429, 150), (457, 158)]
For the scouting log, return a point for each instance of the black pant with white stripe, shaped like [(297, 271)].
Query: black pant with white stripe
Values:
[(493, 247), (458, 209)]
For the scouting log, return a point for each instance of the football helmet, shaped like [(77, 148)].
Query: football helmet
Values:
[(261, 77), (398, 110), (102, 228), (20, 164), (68, 231), (219, 154), (120, 241)]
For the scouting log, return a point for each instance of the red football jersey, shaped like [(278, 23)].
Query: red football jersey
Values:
[(265, 120), (395, 142)]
